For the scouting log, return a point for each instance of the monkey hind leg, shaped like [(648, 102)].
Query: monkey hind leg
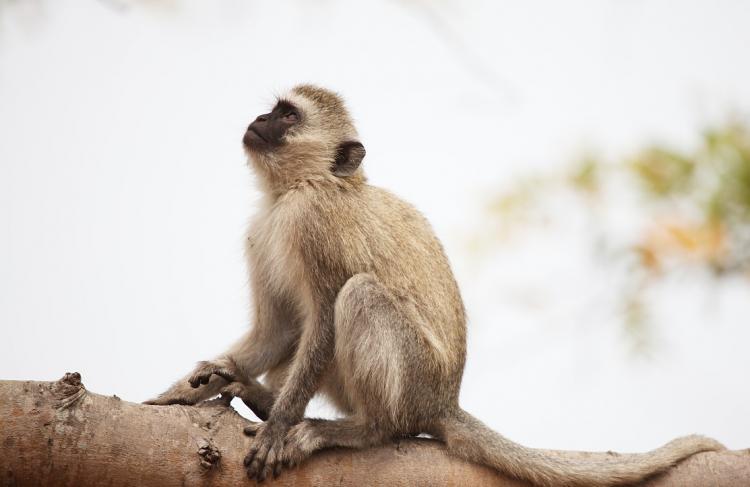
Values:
[(377, 353), (468, 438)]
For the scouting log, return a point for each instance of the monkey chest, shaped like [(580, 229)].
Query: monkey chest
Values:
[(274, 258)]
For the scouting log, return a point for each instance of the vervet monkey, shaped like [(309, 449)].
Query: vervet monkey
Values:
[(354, 298)]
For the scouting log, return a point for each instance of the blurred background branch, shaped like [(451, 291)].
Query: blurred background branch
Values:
[(692, 208)]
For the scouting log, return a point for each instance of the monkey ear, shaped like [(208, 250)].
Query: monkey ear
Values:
[(349, 156)]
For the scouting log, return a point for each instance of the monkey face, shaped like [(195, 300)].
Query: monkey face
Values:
[(308, 135), (268, 130)]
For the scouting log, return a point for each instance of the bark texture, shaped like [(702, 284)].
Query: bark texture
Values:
[(58, 433)]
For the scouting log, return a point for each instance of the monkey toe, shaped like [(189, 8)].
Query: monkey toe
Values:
[(299, 444), (265, 453), (291, 458)]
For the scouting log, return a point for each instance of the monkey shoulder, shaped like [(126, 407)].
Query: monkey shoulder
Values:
[(333, 221)]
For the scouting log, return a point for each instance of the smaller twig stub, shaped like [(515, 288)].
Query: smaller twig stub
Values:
[(208, 453), (68, 390)]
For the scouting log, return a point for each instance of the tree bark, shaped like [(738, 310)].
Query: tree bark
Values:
[(58, 433)]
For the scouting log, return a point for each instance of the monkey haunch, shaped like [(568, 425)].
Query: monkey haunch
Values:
[(354, 297)]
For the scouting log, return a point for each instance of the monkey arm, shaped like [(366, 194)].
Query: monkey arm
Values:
[(270, 341), (258, 350), (274, 333), (313, 356), (266, 345)]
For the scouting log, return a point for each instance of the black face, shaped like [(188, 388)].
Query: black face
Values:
[(268, 130)]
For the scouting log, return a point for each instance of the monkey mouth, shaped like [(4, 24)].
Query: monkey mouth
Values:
[(255, 131), (253, 136)]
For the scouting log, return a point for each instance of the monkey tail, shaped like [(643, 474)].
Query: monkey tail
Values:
[(468, 438)]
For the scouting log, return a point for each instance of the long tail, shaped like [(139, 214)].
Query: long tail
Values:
[(468, 438)]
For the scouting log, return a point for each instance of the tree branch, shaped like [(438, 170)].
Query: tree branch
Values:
[(57, 433)]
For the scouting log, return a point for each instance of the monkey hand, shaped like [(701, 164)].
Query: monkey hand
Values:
[(204, 370), (266, 452), (187, 391)]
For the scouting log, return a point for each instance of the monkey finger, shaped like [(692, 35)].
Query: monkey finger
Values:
[(255, 468), (277, 469), (234, 389), (226, 375), (262, 473), (257, 461), (252, 469), (252, 429), (250, 455), (167, 401), (200, 379), (159, 401), (202, 374), (268, 466)]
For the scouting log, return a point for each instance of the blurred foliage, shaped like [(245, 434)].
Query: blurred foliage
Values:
[(585, 174), (663, 172), (693, 209), (707, 195)]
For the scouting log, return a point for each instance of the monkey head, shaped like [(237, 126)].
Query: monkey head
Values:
[(307, 135)]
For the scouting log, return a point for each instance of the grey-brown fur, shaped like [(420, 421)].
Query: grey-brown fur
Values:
[(354, 298)]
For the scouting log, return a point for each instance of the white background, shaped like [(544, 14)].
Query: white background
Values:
[(124, 192)]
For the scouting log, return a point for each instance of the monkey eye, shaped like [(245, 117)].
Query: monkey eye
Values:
[(291, 117)]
